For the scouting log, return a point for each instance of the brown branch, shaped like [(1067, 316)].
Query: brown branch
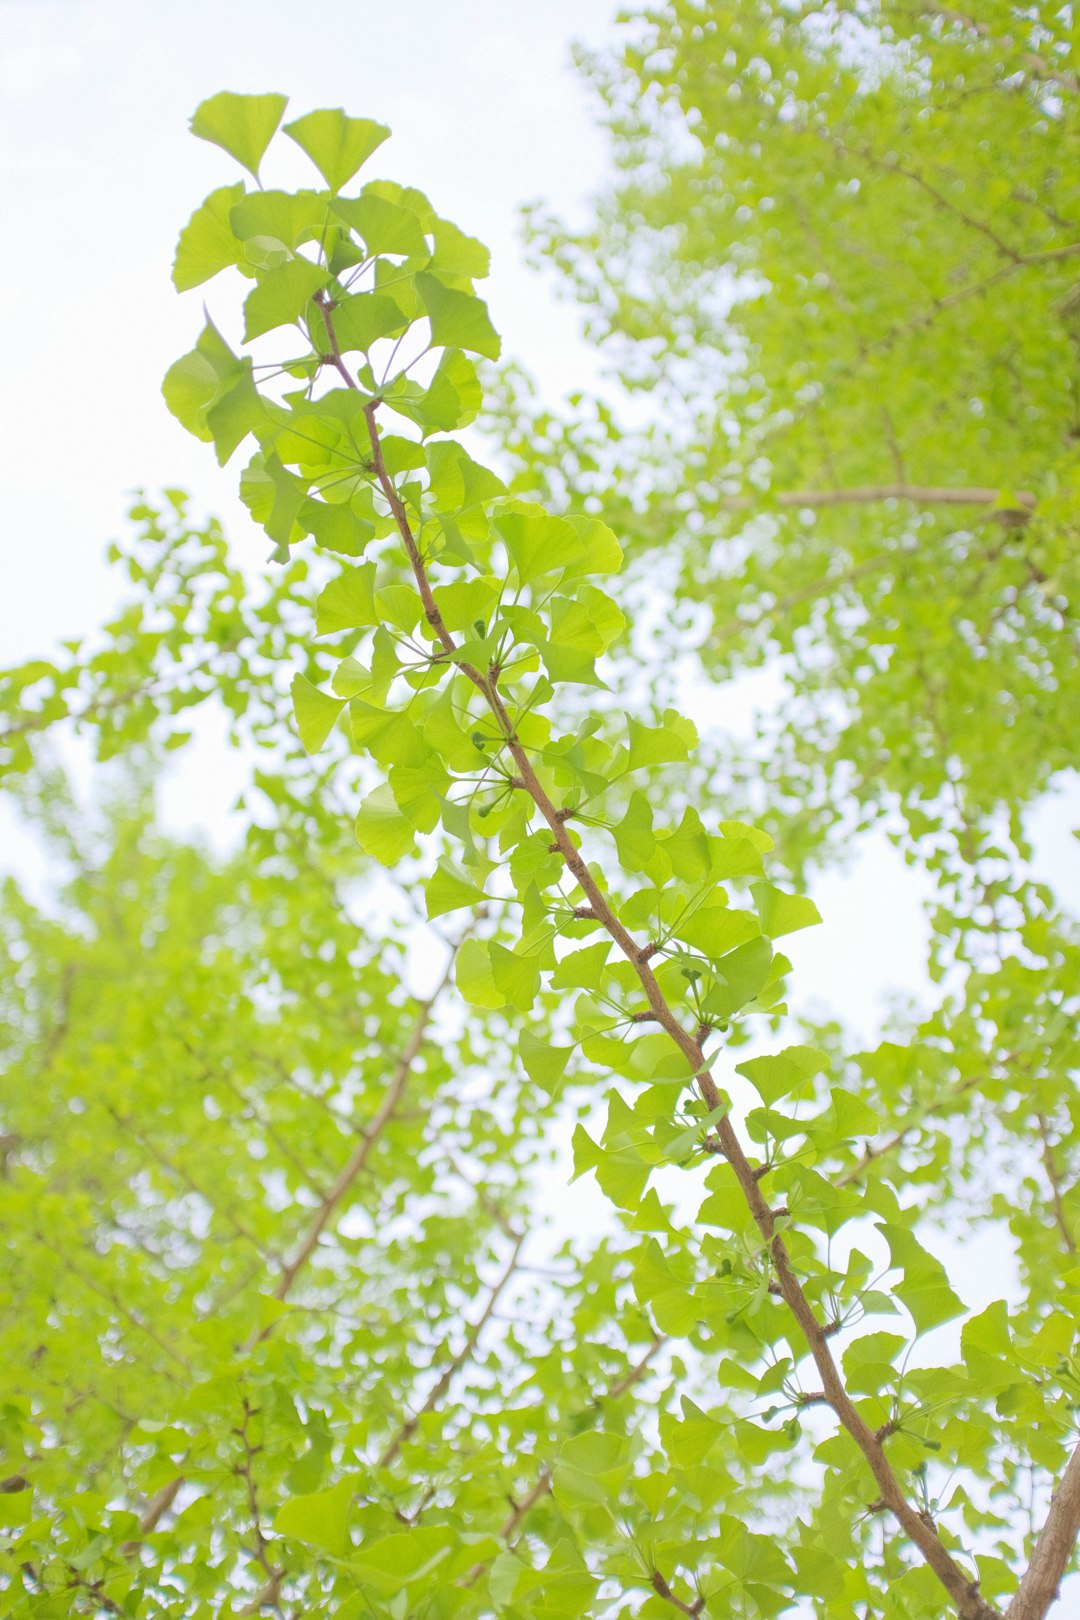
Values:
[(915, 323), (520, 1510), (438, 1390), (161, 1503), (893, 167), (1039, 1586), (872, 494), (1055, 1185), (150, 685), (899, 1137), (663, 1590), (325, 305), (119, 1305), (961, 1588), (807, 593), (155, 1510), (359, 1157), (972, 289), (268, 1597)]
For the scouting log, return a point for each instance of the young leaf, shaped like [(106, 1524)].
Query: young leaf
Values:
[(458, 320), (243, 125), (336, 144), (315, 713)]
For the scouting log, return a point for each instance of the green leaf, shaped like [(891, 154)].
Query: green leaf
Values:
[(689, 1441), (348, 602), (315, 713), (207, 244), (200, 378), (600, 551), (782, 913), (452, 399), (273, 224), (458, 320), (16, 1509), (516, 977), (388, 735), (634, 835), (668, 744), (774, 1077), (320, 1519), (473, 975), (335, 528), (687, 848), (281, 296), (582, 970), (536, 542), (738, 978), (925, 1292), (363, 318), (448, 890), (544, 1063), (716, 928), (381, 829), (672, 1301), (336, 144), (385, 225), (243, 125)]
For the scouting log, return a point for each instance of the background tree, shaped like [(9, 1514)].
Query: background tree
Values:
[(590, 851)]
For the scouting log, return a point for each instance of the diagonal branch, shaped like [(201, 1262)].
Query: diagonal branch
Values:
[(1039, 1587), (1054, 1178), (1040, 68), (962, 1590), (353, 1166), (439, 1389), (520, 1511), (163, 1500)]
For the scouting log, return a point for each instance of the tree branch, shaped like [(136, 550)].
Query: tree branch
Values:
[(961, 1588), (359, 1158), (872, 494), (1055, 1185), (663, 1590), (536, 1493), (1040, 68), (1039, 1587), (409, 1427), (163, 1500)]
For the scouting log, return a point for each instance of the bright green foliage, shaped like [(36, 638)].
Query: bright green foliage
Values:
[(841, 261), (272, 1219)]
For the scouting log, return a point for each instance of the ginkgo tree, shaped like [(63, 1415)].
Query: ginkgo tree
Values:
[(285, 1332)]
